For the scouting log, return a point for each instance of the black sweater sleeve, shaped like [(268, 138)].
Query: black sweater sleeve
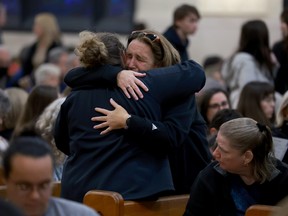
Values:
[(80, 77)]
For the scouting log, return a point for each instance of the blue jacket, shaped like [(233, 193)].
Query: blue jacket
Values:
[(181, 131), (126, 164)]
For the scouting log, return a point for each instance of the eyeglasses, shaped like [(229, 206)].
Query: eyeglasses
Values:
[(26, 188), (219, 105), (151, 37)]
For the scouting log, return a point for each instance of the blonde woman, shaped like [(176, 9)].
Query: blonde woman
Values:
[(48, 36), (17, 98)]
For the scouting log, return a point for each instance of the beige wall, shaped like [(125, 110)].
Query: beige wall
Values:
[(215, 35)]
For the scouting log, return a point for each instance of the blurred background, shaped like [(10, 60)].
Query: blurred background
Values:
[(217, 33)]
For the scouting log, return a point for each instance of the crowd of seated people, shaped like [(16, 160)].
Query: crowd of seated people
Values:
[(139, 120)]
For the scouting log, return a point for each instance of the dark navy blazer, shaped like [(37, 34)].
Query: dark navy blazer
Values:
[(181, 132), (114, 161)]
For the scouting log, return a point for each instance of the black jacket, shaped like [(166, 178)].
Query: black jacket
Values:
[(27, 55), (181, 131), (211, 191), (178, 44), (117, 162)]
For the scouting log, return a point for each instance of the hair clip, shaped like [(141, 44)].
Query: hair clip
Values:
[(261, 127)]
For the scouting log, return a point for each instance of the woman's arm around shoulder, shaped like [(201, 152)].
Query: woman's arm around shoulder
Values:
[(102, 75), (180, 80)]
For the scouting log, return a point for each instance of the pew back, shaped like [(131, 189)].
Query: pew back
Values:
[(112, 203), (260, 210), (105, 202), (164, 206)]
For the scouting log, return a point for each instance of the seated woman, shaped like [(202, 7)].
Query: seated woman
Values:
[(257, 101), (211, 101), (243, 174)]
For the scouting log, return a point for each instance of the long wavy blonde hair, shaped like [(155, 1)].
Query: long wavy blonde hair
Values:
[(45, 126)]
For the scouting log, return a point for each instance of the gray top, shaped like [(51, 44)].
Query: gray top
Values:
[(62, 207), (242, 70)]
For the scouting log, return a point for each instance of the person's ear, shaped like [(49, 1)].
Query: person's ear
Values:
[(248, 157)]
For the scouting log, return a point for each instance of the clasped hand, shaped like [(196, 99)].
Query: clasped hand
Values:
[(116, 119)]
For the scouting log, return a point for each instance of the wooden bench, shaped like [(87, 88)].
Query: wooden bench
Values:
[(260, 210), (105, 202), (109, 203)]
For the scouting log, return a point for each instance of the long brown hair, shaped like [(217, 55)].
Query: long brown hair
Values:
[(40, 97), (254, 40), (249, 104)]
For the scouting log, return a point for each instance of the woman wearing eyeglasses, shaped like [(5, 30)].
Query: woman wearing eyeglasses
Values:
[(211, 101), (114, 161)]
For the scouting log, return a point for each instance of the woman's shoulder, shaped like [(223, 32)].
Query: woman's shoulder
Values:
[(283, 167), (242, 56), (279, 46), (212, 176), (236, 61), (213, 169)]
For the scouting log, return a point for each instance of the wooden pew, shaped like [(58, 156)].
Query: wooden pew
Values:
[(56, 190), (260, 210), (164, 206), (111, 203), (105, 202)]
